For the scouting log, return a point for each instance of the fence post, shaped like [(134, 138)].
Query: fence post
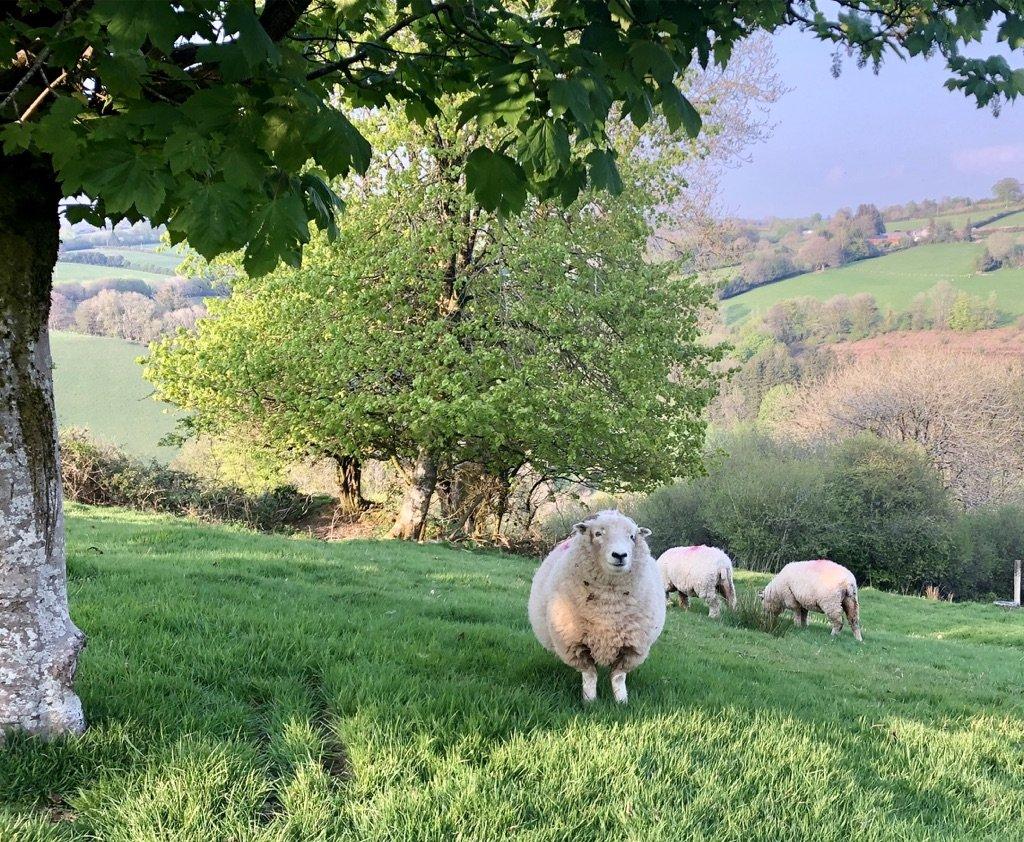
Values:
[(1016, 582)]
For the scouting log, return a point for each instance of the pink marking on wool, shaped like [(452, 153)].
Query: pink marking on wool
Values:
[(564, 545)]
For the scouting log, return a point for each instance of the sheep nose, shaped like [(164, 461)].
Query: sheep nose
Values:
[(620, 558)]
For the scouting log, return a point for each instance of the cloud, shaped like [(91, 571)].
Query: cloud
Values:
[(989, 160)]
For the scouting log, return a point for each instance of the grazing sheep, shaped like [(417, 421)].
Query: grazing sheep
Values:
[(597, 600), (705, 572), (820, 585)]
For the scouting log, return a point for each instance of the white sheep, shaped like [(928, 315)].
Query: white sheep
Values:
[(700, 571), (597, 600), (819, 585)]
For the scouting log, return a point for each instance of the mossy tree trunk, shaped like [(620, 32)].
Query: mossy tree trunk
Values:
[(412, 518), (39, 644)]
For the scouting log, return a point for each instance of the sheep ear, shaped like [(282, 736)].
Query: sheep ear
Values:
[(644, 531), (580, 527)]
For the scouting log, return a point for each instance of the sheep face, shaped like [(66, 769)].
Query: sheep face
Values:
[(612, 538)]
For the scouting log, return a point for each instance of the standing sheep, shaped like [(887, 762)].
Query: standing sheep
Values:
[(820, 585), (597, 600), (705, 572)]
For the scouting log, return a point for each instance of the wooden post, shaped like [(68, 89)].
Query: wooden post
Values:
[(1016, 582)]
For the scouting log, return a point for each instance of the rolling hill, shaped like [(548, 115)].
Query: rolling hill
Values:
[(893, 280), (68, 273), (98, 385), (252, 687)]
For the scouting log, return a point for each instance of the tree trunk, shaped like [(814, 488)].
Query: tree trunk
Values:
[(39, 644), (350, 476), (413, 516)]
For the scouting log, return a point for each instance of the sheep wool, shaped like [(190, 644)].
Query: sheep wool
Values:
[(597, 600), (704, 572), (819, 585)]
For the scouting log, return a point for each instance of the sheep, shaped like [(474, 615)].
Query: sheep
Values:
[(597, 600), (705, 572), (820, 585)]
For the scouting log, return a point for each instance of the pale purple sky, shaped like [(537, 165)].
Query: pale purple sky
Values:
[(888, 138)]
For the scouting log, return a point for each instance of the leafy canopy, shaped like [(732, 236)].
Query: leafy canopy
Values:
[(431, 325), (227, 119)]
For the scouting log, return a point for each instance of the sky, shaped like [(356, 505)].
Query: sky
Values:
[(884, 139)]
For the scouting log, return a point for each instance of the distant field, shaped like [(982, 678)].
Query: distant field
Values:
[(69, 273), (1010, 221), (99, 386), (894, 280), (144, 257)]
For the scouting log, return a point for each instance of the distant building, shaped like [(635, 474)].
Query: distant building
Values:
[(893, 238)]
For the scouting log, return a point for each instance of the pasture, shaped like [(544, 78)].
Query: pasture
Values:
[(893, 280), (142, 256), (69, 273), (1014, 220), (98, 385), (250, 687)]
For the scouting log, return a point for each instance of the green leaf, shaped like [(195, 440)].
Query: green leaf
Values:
[(679, 111), (282, 228), (497, 182), (569, 95), (604, 174), (215, 218), (651, 57), (545, 147), (126, 179), (16, 137)]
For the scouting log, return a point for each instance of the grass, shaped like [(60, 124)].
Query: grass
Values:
[(957, 220), (252, 687), (893, 280), (143, 256), (99, 386), (68, 273), (1012, 221)]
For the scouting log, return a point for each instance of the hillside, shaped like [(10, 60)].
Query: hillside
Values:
[(99, 386), (1006, 343), (247, 687), (893, 280), (66, 273)]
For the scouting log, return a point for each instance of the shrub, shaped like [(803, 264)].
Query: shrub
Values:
[(987, 542), (101, 475)]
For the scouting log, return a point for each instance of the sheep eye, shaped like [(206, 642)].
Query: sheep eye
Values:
[(632, 538), (598, 533)]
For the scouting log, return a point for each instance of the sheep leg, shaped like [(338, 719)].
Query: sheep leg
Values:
[(579, 656), (627, 659), (837, 620), (800, 617), (852, 609), (684, 600), (714, 605), (619, 687), (589, 684)]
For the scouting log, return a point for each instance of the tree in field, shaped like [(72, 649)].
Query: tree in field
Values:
[(434, 333), (1008, 190), (224, 119), (869, 220)]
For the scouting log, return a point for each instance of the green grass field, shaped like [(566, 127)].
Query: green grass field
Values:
[(144, 256), (893, 280), (957, 220), (99, 386), (68, 273), (1012, 221), (247, 687)]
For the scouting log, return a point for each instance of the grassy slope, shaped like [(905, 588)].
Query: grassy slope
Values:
[(1011, 221), (143, 256), (66, 273), (98, 385), (894, 280), (246, 687)]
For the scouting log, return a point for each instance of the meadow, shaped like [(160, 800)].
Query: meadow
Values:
[(957, 220), (70, 273), (98, 385), (142, 256), (1012, 221), (893, 280), (250, 687)]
